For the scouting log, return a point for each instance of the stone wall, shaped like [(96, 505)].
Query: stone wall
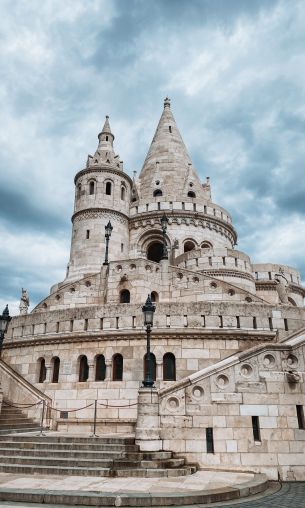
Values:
[(265, 383)]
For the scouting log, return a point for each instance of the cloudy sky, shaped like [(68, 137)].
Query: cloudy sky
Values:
[(234, 70)]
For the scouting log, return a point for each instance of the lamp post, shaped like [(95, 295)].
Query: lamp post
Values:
[(4, 321), (148, 313), (164, 222), (108, 230)]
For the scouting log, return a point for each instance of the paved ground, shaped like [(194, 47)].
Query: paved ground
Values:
[(291, 495)]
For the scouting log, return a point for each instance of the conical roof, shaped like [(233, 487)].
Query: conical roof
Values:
[(168, 163)]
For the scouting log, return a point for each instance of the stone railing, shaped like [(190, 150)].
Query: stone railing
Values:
[(18, 391)]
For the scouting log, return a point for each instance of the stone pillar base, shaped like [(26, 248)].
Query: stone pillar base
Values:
[(148, 421)]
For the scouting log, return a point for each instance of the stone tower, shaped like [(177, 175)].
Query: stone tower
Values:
[(102, 193)]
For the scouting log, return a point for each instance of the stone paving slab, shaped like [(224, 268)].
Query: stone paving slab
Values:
[(201, 487)]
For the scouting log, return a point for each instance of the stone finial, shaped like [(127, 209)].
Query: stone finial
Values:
[(24, 302), (167, 102)]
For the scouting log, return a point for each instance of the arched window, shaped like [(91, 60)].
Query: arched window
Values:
[(100, 368), (157, 192), (191, 194), (42, 370), (188, 246), (155, 251), (108, 188), (124, 296), (153, 366), (79, 190), (83, 369), (106, 138), (56, 365), (91, 188), (169, 367), (123, 193), (206, 245), (154, 296), (117, 367)]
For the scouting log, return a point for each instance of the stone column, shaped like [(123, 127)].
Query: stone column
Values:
[(91, 376), (148, 420), (49, 372), (108, 370), (159, 373)]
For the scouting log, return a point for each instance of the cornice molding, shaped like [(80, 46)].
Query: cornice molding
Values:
[(182, 217), (204, 334)]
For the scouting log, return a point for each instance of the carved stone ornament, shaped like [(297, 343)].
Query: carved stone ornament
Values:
[(293, 376)]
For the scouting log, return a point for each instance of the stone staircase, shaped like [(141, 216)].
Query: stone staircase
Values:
[(101, 456), (12, 420)]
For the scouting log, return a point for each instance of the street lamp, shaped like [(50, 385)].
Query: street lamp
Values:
[(4, 321), (148, 313), (108, 230), (164, 222)]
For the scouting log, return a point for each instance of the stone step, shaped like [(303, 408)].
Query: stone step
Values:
[(22, 425), (42, 452), (4, 433), (62, 471), (62, 462), (153, 473), (31, 442), (11, 416), (14, 421), (78, 440), (170, 497), (92, 471)]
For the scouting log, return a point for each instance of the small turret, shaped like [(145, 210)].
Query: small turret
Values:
[(103, 192)]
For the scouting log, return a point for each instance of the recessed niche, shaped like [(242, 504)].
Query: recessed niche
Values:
[(292, 361), (197, 392), (269, 361), (172, 404), (222, 381), (246, 370)]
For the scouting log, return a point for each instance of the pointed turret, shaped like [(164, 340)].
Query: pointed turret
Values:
[(167, 170), (105, 153)]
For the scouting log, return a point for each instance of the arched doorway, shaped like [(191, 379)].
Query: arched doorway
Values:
[(155, 251)]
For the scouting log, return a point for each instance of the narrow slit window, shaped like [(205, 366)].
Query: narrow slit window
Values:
[(101, 323), (300, 415), (209, 439), (269, 275), (254, 323), (88, 234), (237, 322), (256, 428), (286, 324), (170, 129), (270, 323), (203, 321), (220, 322), (71, 325), (86, 324), (91, 188)]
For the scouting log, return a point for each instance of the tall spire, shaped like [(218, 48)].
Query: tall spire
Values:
[(106, 130), (105, 153), (168, 163)]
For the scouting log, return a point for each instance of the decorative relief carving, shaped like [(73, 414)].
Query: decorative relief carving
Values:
[(96, 213)]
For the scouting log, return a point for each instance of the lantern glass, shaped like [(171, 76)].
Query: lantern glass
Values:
[(148, 312), (108, 229), (164, 221)]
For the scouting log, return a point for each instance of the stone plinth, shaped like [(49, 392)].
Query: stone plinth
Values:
[(148, 420)]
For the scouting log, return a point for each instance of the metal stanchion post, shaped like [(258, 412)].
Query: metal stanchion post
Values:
[(42, 418), (94, 422)]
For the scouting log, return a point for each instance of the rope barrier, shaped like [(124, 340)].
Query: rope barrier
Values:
[(109, 405), (22, 406), (70, 410)]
